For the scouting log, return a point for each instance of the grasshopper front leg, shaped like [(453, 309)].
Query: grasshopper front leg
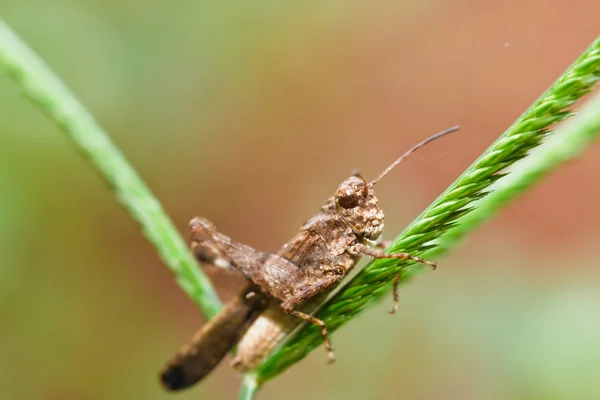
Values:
[(378, 253), (292, 302)]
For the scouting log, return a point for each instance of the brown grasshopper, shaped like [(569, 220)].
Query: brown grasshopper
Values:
[(327, 247)]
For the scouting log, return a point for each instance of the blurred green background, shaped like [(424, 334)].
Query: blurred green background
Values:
[(250, 114)]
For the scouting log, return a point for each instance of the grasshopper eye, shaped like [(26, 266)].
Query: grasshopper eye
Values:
[(347, 199)]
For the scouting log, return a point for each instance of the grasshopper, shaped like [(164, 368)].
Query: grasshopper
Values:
[(326, 248)]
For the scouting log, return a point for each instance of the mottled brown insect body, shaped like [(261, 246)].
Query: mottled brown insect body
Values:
[(317, 258), (210, 344)]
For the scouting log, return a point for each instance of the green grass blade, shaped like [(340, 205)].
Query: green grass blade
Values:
[(572, 138), (249, 388), (40, 85), (459, 210)]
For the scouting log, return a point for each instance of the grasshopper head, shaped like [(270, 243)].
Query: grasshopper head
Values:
[(357, 204)]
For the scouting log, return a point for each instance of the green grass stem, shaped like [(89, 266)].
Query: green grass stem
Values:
[(464, 205), (44, 89)]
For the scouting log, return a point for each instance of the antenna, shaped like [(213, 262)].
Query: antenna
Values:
[(415, 148)]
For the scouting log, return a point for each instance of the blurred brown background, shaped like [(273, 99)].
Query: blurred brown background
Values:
[(250, 114)]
